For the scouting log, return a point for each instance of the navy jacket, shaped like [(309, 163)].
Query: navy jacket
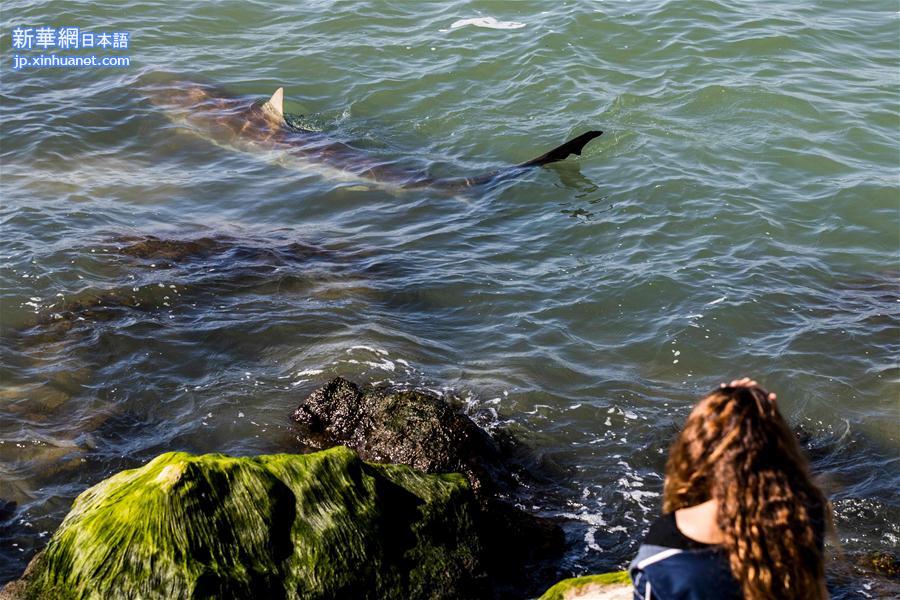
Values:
[(661, 573), (670, 566)]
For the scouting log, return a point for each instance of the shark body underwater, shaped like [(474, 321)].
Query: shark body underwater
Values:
[(253, 126)]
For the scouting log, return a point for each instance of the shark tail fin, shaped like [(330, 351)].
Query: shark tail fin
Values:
[(276, 103), (573, 146)]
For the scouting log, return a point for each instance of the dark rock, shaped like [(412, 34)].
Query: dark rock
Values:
[(405, 427), (881, 563), (172, 249), (169, 252), (425, 432)]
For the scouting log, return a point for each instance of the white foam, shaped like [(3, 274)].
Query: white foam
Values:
[(385, 365), (369, 348), (487, 23), (309, 372), (589, 517)]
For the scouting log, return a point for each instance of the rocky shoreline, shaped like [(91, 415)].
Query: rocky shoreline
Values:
[(391, 494), (424, 432), (397, 496)]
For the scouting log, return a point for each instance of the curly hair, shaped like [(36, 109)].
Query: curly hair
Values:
[(737, 449)]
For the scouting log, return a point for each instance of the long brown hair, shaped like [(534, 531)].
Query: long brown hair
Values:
[(736, 448)]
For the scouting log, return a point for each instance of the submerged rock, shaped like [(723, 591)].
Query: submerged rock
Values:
[(425, 432), (323, 525), (170, 252), (172, 249), (882, 563), (608, 586), (164, 272)]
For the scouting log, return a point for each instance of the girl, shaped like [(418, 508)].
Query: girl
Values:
[(741, 516)]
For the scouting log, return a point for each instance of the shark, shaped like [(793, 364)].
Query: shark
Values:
[(259, 126)]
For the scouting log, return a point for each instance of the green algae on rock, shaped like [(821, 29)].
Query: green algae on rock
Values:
[(608, 586), (424, 431), (323, 525)]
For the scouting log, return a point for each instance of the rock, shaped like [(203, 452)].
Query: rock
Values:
[(172, 249), (315, 526), (882, 563), (870, 574), (609, 586), (171, 252), (405, 427), (423, 431)]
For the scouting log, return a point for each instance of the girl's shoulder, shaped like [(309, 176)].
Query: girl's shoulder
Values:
[(664, 532)]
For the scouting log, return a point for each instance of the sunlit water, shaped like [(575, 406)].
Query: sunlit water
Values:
[(739, 216)]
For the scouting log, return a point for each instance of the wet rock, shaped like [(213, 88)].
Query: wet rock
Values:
[(316, 526), (97, 305), (862, 574), (172, 249), (404, 427), (170, 252), (424, 432), (881, 563)]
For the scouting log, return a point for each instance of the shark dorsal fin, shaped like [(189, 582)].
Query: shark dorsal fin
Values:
[(276, 102)]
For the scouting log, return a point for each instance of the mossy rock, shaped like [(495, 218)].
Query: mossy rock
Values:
[(315, 526), (424, 431), (608, 586)]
